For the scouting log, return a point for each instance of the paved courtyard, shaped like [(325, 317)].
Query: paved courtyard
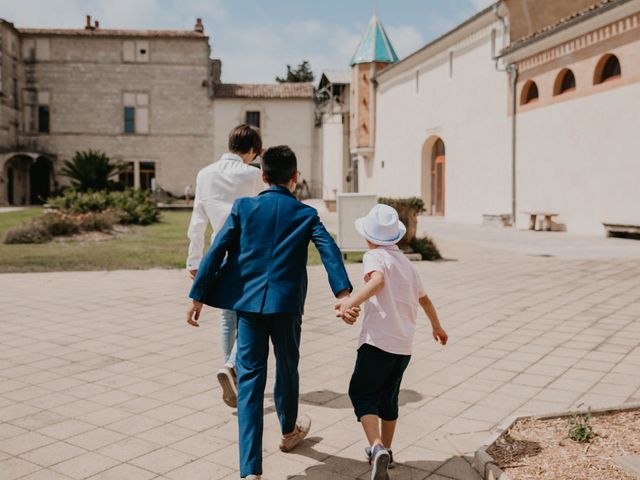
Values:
[(101, 378)]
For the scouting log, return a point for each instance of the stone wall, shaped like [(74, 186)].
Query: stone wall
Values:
[(87, 81)]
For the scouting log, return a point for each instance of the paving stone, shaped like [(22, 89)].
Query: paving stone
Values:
[(51, 454), (630, 463), (138, 386)]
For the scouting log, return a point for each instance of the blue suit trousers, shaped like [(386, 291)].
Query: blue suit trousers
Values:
[(254, 332)]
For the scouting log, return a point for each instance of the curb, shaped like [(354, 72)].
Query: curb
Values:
[(486, 465)]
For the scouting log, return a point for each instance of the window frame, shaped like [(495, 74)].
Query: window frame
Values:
[(525, 98), (259, 116), (44, 120), (559, 87), (129, 120), (601, 66)]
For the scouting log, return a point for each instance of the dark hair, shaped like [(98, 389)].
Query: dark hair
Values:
[(244, 138), (279, 165)]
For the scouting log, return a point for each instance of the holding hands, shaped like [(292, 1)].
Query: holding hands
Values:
[(346, 308)]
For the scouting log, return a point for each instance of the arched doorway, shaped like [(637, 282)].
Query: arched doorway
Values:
[(16, 173), (433, 175), (40, 180)]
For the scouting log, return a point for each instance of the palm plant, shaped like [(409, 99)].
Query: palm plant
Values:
[(91, 170)]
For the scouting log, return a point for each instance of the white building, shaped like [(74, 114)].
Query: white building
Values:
[(443, 124), (333, 115)]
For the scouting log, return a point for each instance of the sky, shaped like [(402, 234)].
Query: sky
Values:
[(256, 39)]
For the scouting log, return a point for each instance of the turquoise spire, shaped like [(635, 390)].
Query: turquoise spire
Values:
[(374, 45)]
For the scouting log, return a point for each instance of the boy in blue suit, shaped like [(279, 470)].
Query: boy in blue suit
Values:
[(257, 267)]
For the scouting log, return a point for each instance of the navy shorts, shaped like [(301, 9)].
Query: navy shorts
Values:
[(375, 383)]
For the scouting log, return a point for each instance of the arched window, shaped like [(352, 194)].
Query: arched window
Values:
[(565, 82), (529, 93), (608, 68)]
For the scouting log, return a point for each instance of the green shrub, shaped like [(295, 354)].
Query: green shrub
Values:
[(100, 221), (58, 223), (92, 170), (426, 248), (135, 206), (32, 232), (579, 428)]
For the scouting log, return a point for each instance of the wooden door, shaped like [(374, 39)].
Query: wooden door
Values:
[(439, 184)]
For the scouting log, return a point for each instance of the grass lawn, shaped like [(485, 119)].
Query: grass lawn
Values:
[(162, 245)]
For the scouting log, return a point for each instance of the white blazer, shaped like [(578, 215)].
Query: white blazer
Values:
[(217, 186)]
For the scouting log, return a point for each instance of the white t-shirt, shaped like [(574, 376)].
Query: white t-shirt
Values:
[(390, 316), (217, 186)]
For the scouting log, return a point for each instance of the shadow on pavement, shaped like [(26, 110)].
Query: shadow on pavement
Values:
[(331, 399), (334, 467)]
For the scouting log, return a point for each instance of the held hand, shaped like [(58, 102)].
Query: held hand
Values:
[(193, 273), (440, 335), (193, 314), (347, 312)]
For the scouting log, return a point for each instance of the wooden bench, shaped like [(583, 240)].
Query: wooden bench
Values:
[(622, 230), (546, 220)]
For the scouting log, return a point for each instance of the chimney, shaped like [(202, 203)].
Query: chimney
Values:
[(199, 27), (88, 25), (97, 24)]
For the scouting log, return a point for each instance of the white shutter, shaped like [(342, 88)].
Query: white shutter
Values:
[(129, 51), (42, 49), (142, 120), (43, 98), (129, 99), (142, 51)]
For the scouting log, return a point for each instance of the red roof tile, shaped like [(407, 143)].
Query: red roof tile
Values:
[(264, 90), (566, 22)]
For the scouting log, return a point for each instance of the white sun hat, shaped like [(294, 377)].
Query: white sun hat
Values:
[(381, 225)]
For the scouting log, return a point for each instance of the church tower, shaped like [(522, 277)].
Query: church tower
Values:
[(374, 53)]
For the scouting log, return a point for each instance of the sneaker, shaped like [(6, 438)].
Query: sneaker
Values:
[(380, 462), (303, 425), (252, 477), (226, 378), (392, 464)]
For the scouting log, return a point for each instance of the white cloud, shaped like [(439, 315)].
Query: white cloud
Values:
[(405, 39), (251, 52)]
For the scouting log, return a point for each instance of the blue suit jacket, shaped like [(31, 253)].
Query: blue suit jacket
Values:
[(258, 261)]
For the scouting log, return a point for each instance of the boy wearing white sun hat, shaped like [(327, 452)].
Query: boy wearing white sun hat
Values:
[(392, 294)]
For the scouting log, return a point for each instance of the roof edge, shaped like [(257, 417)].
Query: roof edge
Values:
[(561, 25), (439, 39), (111, 32)]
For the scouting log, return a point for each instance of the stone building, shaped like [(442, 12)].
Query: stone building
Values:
[(528, 106), (150, 98)]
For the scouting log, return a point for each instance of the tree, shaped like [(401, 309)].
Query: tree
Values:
[(92, 170), (302, 73)]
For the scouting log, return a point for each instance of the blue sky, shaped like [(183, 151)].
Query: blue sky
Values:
[(256, 38)]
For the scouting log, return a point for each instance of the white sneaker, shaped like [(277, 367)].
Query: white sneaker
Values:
[(226, 377), (303, 426), (252, 477)]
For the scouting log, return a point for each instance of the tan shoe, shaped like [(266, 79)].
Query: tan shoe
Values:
[(289, 442), (227, 381)]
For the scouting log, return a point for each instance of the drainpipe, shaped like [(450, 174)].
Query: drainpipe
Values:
[(513, 72)]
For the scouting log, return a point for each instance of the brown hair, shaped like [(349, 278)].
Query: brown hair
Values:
[(244, 138)]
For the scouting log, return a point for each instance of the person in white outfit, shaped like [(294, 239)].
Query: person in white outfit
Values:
[(217, 186)]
